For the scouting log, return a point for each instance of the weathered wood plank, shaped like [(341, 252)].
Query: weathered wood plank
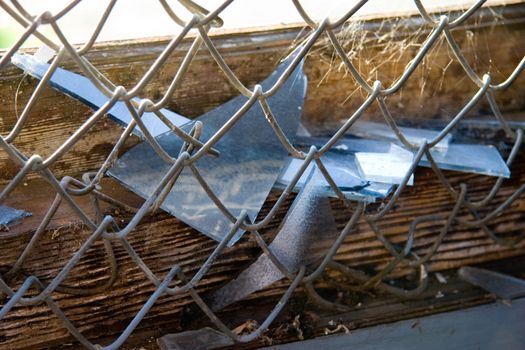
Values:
[(162, 241), (437, 90)]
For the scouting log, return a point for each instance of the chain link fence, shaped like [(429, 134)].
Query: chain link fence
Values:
[(175, 282)]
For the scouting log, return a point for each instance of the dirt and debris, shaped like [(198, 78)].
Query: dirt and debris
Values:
[(339, 328)]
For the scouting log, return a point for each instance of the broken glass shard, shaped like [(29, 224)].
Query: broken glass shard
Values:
[(390, 167), (478, 159), (82, 89), (344, 172), (382, 131), (10, 216), (469, 158), (251, 157), (307, 232), (200, 339)]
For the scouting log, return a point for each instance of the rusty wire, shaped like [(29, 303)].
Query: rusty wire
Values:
[(107, 230)]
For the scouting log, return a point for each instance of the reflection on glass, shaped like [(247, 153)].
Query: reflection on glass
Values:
[(9, 216)]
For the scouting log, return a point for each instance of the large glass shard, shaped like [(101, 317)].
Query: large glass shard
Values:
[(344, 172), (10, 216), (390, 167), (306, 234), (241, 177), (469, 158), (82, 89), (381, 131), (251, 157)]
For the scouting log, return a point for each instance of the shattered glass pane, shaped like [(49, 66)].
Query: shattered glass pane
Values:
[(251, 157), (382, 131), (340, 162), (390, 167), (82, 89), (307, 232)]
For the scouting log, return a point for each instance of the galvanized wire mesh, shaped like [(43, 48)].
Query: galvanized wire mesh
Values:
[(175, 282)]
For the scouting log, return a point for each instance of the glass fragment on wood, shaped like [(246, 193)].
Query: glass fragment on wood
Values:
[(241, 177), (470, 158), (81, 88), (11, 216), (344, 172)]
